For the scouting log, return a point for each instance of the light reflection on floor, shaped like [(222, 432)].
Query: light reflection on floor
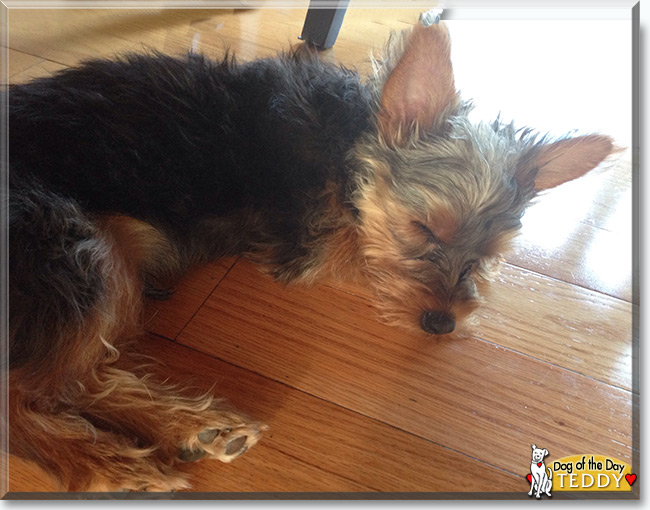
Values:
[(585, 224)]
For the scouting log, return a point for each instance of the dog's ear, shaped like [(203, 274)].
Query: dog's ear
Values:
[(555, 163), (534, 447), (545, 452), (420, 88)]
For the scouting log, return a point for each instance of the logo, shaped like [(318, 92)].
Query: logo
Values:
[(592, 473), (540, 477), (577, 473)]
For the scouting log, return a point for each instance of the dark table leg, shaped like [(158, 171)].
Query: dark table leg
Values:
[(322, 25)]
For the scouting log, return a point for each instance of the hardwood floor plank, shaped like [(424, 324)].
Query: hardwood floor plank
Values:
[(572, 327), (68, 36), (168, 318), (581, 233), (25, 476), (578, 329), (472, 396), (19, 62), (312, 445), (591, 258), (320, 446), (44, 68)]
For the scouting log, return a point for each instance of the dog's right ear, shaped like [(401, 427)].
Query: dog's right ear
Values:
[(552, 164), (420, 88), (534, 447)]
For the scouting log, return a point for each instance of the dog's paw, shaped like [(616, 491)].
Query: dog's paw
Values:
[(222, 443)]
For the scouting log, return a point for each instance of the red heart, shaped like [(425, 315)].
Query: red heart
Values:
[(630, 479), (539, 464), (529, 477)]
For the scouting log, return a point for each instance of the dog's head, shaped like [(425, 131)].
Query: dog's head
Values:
[(539, 454), (440, 197)]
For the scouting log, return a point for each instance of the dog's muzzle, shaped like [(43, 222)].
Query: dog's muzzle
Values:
[(437, 323)]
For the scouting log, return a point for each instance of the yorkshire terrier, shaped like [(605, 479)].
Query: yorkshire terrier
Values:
[(124, 173)]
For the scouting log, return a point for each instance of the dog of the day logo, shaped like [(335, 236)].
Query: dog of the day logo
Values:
[(589, 472), (540, 477), (592, 473)]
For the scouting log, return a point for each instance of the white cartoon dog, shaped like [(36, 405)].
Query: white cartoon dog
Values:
[(541, 481)]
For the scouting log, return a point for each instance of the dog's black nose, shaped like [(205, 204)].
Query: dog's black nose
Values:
[(437, 323)]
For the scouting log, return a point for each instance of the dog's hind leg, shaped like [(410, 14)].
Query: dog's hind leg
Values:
[(62, 440), (181, 426), (548, 482), (110, 429), (76, 408), (186, 427), (71, 299)]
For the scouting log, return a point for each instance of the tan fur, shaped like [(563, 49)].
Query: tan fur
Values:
[(388, 232), (141, 245), (108, 424), (342, 258), (333, 253), (443, 223)]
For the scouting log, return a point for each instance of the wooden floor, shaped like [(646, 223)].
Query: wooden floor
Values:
[(354, 405)]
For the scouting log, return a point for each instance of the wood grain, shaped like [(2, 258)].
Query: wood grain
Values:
[(312, 445), (25, 476), (478, 398), (168, 318), (581, 233), (575, 328), (578, 329), (321, 446)]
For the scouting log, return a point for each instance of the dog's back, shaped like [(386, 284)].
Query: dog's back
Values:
[(166, 139)]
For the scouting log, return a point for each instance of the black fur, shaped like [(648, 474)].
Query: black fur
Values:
[(171, 141), (222, 158), (56, 271)]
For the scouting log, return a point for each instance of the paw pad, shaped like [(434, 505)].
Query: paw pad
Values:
[(236, 445), (191, 455), (208, 435), (225, 444)]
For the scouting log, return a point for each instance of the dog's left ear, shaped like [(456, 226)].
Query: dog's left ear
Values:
[(564, 160), (545, 452), (420, 87)]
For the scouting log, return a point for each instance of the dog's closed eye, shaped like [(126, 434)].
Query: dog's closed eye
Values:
[(431, 237), (468, 268)]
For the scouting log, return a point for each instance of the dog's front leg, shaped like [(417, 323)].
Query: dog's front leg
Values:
[(539, 486), (532, 482)]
